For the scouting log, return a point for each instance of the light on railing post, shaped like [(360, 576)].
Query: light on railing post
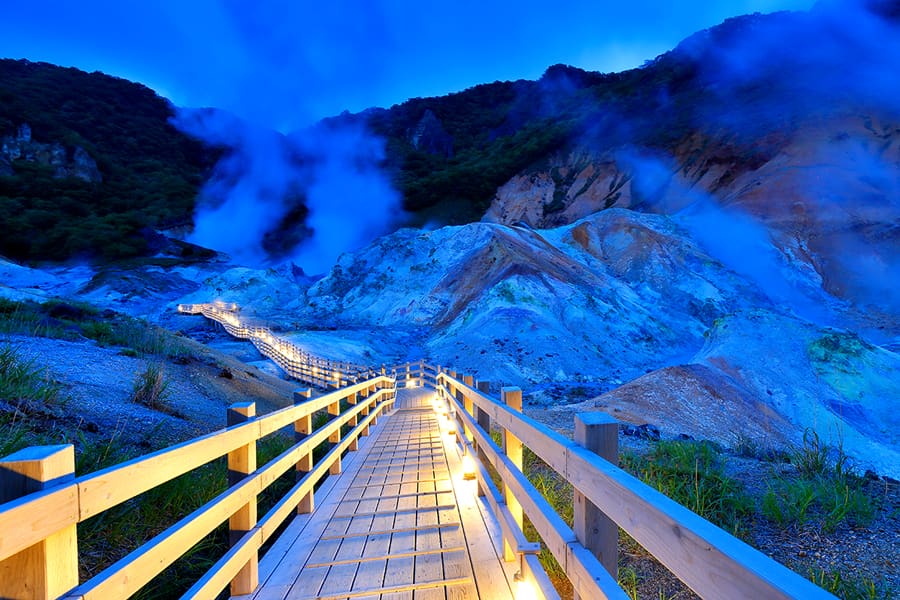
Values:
[(524, 589), (468, 464)]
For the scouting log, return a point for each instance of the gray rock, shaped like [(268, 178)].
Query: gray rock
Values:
[(430, 136), (22, 147)]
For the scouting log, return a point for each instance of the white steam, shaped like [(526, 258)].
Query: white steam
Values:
[(334, 171)]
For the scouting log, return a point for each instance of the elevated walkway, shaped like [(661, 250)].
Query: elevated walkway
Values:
[(400, 522), (381, 504)]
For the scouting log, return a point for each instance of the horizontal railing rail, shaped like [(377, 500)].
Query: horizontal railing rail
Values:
[(713, 563), (37, 530)]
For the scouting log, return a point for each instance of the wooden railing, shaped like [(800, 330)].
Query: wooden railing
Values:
[(300, 364), (711, 562), (296, 362), (42, 501)]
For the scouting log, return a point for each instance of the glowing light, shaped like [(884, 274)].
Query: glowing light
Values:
[(524, 588), (468, 464)]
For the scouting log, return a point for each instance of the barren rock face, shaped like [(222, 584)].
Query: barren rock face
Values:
[(74, 162), (828, 195)]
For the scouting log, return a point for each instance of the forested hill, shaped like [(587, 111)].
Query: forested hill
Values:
[(95, 165), (449, 154)]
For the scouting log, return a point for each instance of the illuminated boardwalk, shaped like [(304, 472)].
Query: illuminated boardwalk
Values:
[(400, 522)]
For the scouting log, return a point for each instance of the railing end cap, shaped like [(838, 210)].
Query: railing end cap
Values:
[(596, 417)]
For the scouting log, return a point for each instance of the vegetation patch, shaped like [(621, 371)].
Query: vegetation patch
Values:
[(151, 172), (24, 387), (849, 586), (69, 320), (692, 474), (151, 388), (825, 493)]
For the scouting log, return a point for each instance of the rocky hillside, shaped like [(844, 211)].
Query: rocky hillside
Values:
[(91, 162), (619, 297), (801, 140)]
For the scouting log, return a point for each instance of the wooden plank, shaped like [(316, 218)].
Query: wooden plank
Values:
[(28, 520), (429, 566), (676, 536), (549, 525), (512, 447), (282, 509), (599, 433), (385, 590), (400, 569), (361, 558), (160, 550), (106, 488), (360, 499), (283, 575), (242, 462), (377, 543), (436, 479), (698, 552), (211, 584), (389, 531)]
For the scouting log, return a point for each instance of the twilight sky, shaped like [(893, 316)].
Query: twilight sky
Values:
[(285, 63)]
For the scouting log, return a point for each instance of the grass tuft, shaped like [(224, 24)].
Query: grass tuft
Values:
[(849, 587), (692, 474), (825, 491), (23, 385), (151, 388)]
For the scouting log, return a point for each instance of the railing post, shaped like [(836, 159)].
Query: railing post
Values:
[(484, 421), (462, 431), (372, 391), (512, 447), (351, 400), (302, 428), (242, 462), (469, 380), (599, 433), (334, 409), (49, 568), (364, 394)]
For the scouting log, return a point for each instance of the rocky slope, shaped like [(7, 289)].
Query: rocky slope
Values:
[(623, 296), (830, 204)]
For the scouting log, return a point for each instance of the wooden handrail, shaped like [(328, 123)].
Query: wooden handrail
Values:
[(32, 518), (707, 559)]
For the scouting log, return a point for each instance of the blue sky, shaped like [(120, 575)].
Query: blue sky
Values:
[(285, 63)]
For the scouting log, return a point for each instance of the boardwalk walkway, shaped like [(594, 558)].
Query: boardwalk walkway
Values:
[(400, 522)]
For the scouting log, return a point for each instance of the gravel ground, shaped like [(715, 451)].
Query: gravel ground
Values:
[(97, 383)]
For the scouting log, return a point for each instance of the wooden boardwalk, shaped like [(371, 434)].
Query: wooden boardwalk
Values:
[(399, 523)]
